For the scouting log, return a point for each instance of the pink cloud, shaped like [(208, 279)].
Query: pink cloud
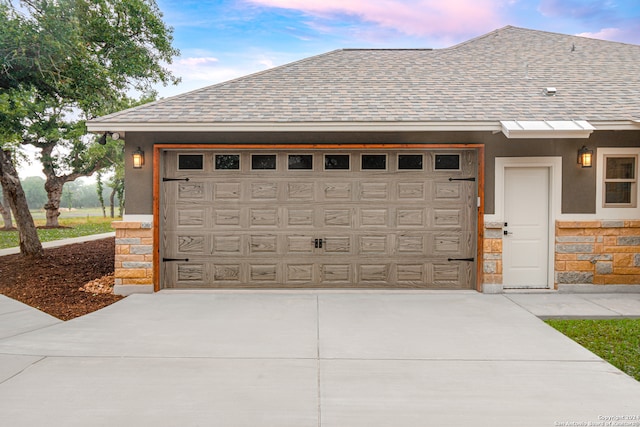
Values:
[(412, 17)]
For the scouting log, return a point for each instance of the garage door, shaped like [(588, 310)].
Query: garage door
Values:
[(271, 219)]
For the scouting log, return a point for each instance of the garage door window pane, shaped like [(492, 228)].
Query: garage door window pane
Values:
[(263, 161), (227, 161), (336, 161), (190, 161), (301, 161), (410, 161), (447, 162), (374, 161)]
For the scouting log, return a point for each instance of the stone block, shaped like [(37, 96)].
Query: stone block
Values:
[(128, 241), (493, 234), (496, 246), (594, 258), (125, 224), (612, 224), (132, 258), (566, 257), (560, 266), (130, 264), (604, 267), (486, 245), (633, 271), (143, 281), (576, 248), (575, 239), (579, 266), (492, 278), (636, 260), (146, 225), (629, 241), (142, 250), (622, 279), (632, 223), (489, 267), (493, 224), (623, 260), (574, 277), (491, 256), (130, 273), (138, 232), (578, 224)]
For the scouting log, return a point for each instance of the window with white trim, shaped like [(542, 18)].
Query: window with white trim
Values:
[(620, 180), (617, 191)]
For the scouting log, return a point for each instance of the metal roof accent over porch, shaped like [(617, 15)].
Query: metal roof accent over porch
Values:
[(547, 129)]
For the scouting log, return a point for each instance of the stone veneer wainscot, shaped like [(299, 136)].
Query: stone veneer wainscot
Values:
[(134, 257), (597, 252)]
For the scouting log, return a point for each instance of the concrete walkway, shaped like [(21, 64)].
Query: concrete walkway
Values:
[(61, 242), (311, 358)]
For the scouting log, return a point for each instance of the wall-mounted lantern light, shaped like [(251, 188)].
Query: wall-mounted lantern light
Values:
[(138, 159), (585, 157)]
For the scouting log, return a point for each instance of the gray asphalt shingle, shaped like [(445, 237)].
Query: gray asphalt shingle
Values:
[(498, 76)]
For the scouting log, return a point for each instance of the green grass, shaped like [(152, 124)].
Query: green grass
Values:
[(81, 225), (615, 340)]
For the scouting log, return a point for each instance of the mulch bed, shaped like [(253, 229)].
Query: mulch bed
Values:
[(59, 284)]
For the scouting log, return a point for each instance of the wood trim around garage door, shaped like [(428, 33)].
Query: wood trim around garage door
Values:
[(157, 148)]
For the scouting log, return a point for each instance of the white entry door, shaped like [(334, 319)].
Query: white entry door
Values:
[(526, 215)]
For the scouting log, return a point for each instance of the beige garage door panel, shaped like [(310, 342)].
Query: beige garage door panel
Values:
[(315, 228)]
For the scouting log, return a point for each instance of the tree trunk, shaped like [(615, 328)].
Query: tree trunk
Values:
[(112, 201), (54, 187), (30, 245), (5, 211)]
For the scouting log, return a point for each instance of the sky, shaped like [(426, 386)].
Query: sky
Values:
[(220, 40), (223, 39)]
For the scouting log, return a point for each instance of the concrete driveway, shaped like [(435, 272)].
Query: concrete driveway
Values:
[(339, 359)]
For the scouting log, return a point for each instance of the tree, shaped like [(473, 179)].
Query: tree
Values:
[(34, 192), (29, 242), (100, 191), (78, 56), (5, 212)]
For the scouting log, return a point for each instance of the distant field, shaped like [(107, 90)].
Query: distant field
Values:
[(81, 222)]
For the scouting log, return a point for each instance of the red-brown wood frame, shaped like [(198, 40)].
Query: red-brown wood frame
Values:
[(157, 148)]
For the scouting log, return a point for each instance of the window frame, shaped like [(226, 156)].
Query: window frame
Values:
[(633, 181), (616, 212)]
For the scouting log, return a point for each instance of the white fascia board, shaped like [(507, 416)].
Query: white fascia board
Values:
[(518, 129), (99, 127), (633, 124)]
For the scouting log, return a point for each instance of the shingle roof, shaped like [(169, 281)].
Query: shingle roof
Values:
[(498, 76)]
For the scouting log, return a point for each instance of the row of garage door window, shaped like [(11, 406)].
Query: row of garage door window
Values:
[(331, 161)]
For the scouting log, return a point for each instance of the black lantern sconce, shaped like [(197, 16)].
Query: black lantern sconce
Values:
[(138, 159), (585, 157)]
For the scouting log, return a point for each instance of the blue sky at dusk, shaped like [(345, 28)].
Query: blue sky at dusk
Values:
[(223, 39)]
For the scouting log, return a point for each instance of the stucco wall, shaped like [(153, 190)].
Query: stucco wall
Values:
[(578, 187)]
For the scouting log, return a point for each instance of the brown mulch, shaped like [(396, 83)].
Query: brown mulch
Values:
[(69, 282)]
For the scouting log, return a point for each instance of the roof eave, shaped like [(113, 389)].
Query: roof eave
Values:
[(433, 126), (443, 126)]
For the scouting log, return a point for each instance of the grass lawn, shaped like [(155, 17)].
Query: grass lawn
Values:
[(80, 223), (615, 340)]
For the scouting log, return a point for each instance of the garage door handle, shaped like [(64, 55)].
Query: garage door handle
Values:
[(174, 179), (461, 259), (318, 243), (463, 179), (175, 259)]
